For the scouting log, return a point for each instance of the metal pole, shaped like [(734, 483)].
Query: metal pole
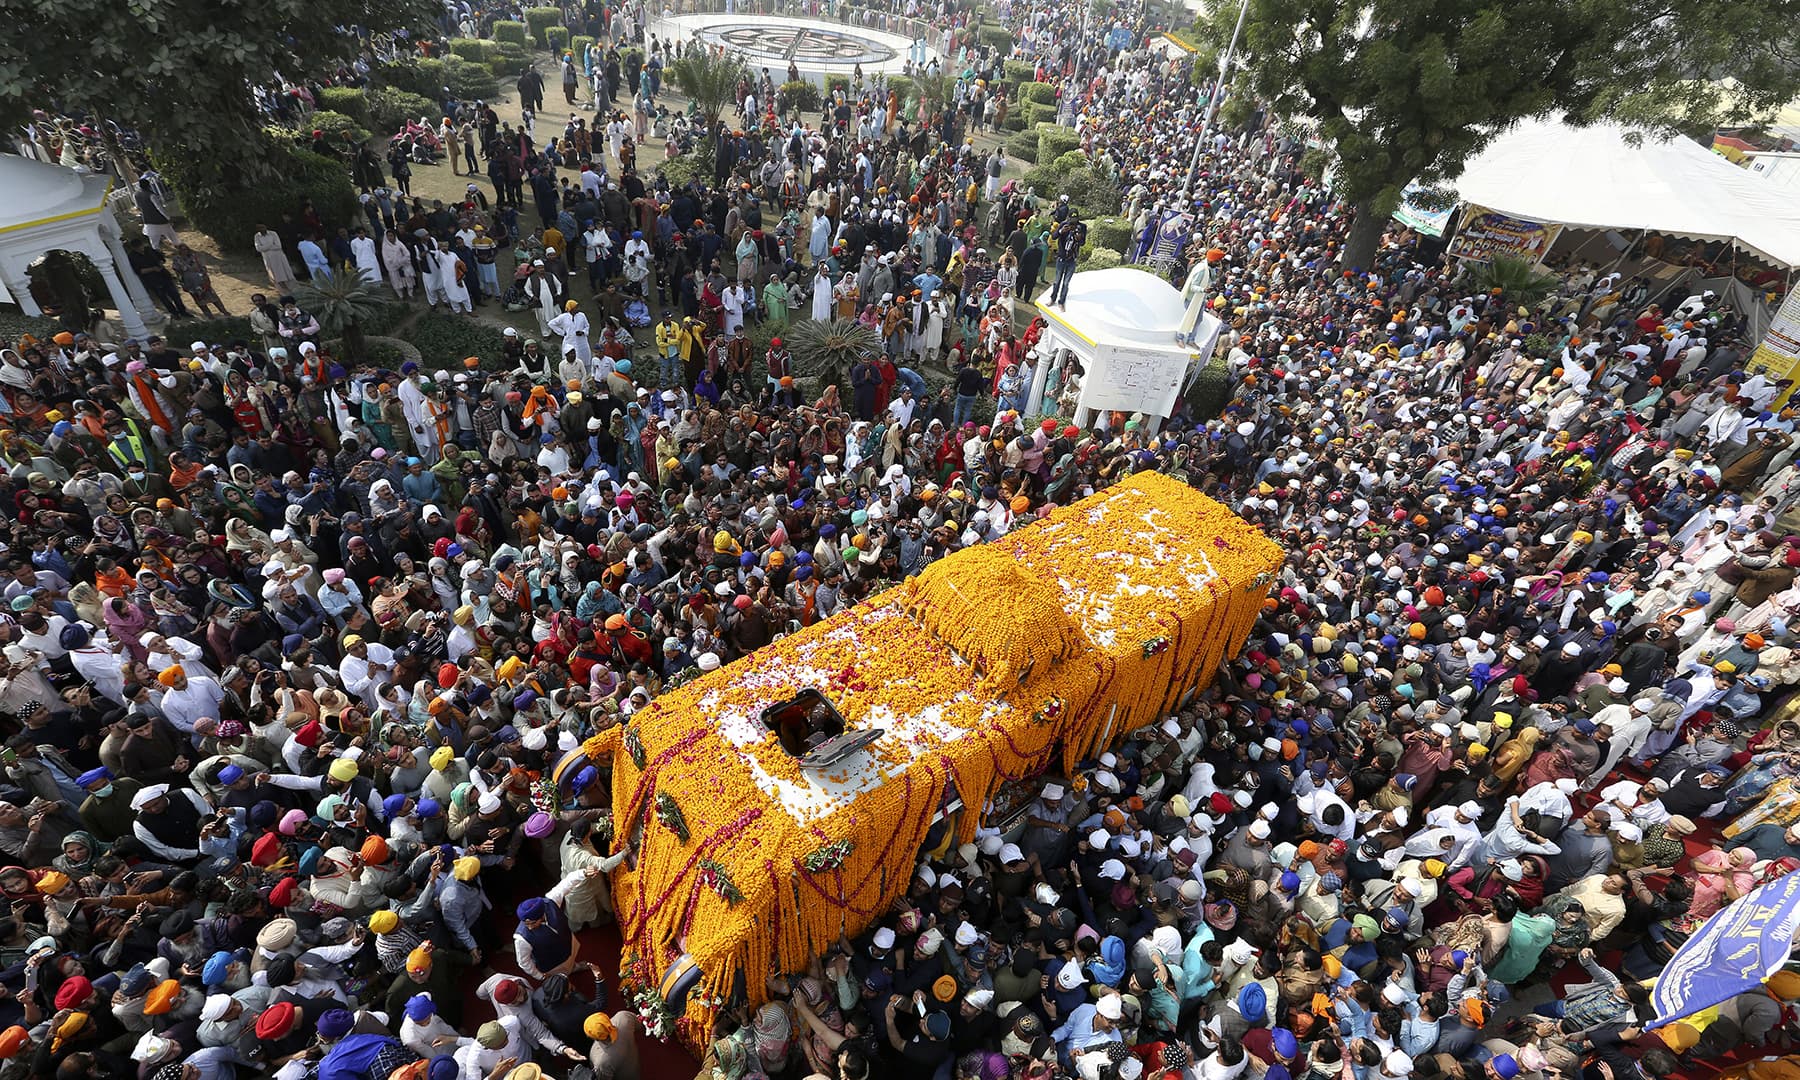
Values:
[(1212, 105)]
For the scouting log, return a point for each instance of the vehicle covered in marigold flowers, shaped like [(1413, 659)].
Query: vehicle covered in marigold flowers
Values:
[(990, 666)]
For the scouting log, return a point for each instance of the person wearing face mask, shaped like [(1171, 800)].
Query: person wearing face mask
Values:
[(106, 812)]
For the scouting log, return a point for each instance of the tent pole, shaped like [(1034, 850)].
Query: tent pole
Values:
[(1640, 239)]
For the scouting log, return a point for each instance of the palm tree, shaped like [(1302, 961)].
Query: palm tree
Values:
[(1515, 279), (827, 348), (342, 303), (932, 89), (710, 81)]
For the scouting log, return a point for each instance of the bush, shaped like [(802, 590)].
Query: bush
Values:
[(559, 39), (1098, 258), (214, 331), (337, 127), (1054, 142), (223, 201), (997, 37), (1211, 390), (1110, 232), (469, 81), (1035, 114), (1040, 92), (446, 339), (476, 50), (507, 67), (1043, 179), (1015, 121), (508, 32), (1023, 146), (1019, 71), (348, 100), (422, 76), (902, 86), (579, 46), (390, 108), (834, 83), (802, 95), (1069, 162), (539, 20), (1092, 194), (696, 164)]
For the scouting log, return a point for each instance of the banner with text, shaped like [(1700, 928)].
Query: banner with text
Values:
[(1485, 234)]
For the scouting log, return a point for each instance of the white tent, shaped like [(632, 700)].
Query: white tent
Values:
[(1594, 178)]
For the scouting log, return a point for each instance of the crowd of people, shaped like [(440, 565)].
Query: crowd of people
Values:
[(292, 643)]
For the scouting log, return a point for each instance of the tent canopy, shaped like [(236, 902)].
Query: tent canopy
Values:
[(1594, 178)]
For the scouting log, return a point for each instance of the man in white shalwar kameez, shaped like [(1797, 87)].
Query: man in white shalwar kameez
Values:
[(368, 260), (572, 327), (455, 292), (412, 403)]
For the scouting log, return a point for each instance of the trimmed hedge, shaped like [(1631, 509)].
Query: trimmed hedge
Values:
[(1092, 194), (469, 81), (1035, 114), (1068, 162), (221, 204), (997, 37), (559, 38), (336, 125), (579, 46), (1023, 145), (902, 86), (837, 82), (1098, 258), (1110, 232), (802, 95), (508, 67), (510, 32), (423, 76), (539, 20), (348, 100), (1019, 72), (1040, 92), (696, 164), (473, 49), (1015, 121), (446, 339), (1055, 141), (390, 108)]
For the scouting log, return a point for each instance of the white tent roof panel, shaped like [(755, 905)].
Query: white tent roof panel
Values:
[(1594, 178)]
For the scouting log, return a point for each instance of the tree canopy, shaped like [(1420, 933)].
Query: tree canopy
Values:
[(1409, 90), (182, 72)]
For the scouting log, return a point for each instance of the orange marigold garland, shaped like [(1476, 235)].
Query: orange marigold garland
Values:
[(1108, 611)]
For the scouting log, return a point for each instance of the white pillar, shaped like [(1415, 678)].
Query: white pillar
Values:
[(18, 283), (1034, 401), (140, 298), (121, 297)]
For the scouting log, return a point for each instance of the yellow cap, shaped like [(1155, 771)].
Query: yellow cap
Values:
[(384, 922), (442, 757), (343, 770), (465, 868)]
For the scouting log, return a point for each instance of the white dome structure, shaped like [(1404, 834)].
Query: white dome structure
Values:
[(46, 208)]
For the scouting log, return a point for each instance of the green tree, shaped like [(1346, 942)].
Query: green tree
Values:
[(1515, 279), (184, 72), (827, 348), (1406, 90), (710, 81), (932, 88), (342, 303)]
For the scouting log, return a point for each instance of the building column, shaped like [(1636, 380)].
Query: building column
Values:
[(18, 284), (121, 297), (147, 310), (1034, 401)]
